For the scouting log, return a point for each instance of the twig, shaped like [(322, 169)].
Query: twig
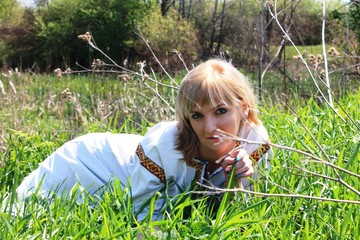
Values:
[(181, 59), (303, 60), (317, 159), (325, 57), (157, 60), (221, 190)]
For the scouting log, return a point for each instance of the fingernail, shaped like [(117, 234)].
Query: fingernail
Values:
[(238, 159)]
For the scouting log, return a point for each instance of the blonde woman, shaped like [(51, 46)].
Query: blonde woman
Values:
[(213, 98)]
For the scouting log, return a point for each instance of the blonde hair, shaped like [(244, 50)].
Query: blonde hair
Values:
[(209, 83)]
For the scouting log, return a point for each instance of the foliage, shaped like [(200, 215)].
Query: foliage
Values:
[(58, 24), (46, 35), (166, 34), (10, 13), (355, 19)]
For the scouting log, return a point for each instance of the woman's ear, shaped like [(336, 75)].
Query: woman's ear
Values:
[(244, 109)]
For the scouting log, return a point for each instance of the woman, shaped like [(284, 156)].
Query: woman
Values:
[(213, 97)]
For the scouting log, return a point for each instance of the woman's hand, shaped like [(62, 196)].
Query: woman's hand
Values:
[(242, 163)]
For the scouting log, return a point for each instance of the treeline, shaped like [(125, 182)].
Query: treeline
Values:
[(45, 37)]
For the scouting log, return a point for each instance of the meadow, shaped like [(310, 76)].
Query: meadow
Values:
[(311, 192)]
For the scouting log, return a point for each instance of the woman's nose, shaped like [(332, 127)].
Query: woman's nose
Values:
[(210, 125)]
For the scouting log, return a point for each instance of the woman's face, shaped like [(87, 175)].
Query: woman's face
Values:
[(206, 119)]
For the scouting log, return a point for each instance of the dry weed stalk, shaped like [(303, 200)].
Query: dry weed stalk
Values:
[(261, 194), (329, 101), (2, 88)]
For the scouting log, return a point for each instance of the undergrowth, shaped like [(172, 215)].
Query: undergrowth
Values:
[(37, 120)]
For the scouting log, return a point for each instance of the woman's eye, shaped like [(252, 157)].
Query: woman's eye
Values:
[(196, 116), (221, 110)]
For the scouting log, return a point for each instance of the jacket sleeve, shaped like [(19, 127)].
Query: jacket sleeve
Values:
[(157, 168)]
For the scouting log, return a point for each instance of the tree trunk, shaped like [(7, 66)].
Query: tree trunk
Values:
[(189, 10), (213, 28), (221, 34), (165, 4)]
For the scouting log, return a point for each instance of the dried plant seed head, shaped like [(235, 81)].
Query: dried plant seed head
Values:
[(319, 58), (85, 37), (304, 53), (57, 70), (127, 112), (269, 3), (125, 77), (68, 71), (66, 94), (96, 64), (312, 56), (322, 74)]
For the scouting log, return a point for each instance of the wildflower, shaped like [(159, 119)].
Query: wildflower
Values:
[(85, 37), (296, 57), (322, 74)]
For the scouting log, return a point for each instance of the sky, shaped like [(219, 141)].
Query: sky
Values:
[(27, 3)]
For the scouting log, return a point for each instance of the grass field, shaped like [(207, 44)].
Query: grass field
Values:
[(40, 112)]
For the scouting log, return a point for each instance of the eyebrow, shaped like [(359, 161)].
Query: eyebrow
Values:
[(217, 106)]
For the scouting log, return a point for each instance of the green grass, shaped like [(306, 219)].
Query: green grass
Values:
[(36, 120)]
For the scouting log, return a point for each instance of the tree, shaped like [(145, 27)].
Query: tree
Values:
[(166, 33), (354, 18), (112, 23)]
